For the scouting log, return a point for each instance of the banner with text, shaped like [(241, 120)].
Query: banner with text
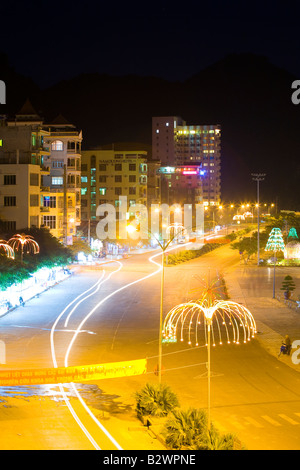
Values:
[(73, 374)]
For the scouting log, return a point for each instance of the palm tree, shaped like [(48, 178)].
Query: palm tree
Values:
[(217, 441), (188, 430), (155, 400)]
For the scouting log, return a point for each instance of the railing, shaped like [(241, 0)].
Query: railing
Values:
[(292, 304)]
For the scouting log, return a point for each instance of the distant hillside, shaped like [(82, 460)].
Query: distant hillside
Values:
[(247, 95)]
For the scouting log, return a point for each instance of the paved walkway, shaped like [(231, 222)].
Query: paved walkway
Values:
[(273, 318)]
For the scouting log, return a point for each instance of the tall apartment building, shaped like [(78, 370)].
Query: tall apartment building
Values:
[(39, 174), (108, 174), (178, 145), (64, 178)]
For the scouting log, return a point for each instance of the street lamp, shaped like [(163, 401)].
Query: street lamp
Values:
[(164, 244), (233, 320), (258, 177), (275, 243)]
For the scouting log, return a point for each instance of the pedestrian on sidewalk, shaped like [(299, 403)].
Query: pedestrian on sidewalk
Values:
[(287, 342)]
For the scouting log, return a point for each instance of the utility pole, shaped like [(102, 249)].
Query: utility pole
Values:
[(258, 177)]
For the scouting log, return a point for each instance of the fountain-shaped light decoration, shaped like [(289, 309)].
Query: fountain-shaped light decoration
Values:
[(6, 249), (213, 318)]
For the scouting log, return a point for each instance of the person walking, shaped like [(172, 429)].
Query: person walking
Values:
[(287, 342)]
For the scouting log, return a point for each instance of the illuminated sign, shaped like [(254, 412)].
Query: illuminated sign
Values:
[(167, 169), (189, 172), (72, 374)]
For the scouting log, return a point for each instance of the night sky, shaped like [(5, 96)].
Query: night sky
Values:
[(51, 41)]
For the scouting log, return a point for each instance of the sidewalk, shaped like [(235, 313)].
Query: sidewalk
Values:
[(273, 318)]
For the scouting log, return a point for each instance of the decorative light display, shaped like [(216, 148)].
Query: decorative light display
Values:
[(225, 319), (6, 249), (275, 241), (24, 242), (293, 233), (210, 318)]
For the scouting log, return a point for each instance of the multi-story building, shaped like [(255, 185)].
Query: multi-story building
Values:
[(39, 174), (22, 154), (58, 213), (64, 163), (108, 174), (153, 183), (181, 184), (177, 145)]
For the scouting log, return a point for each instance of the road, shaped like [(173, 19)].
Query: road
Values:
[(253, 394)]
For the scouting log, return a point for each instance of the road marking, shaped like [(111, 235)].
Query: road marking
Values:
[(253, 421), (236, 424), (271, 421), (289, 420)]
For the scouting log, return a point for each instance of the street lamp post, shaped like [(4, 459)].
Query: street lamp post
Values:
[(258, 177), (275, 243), (163, 246), (161, 314), (231, 319)]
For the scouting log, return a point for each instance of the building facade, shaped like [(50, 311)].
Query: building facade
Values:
[(22, 154), (64, 164), (106, 175), (39, 174), (177, 145)]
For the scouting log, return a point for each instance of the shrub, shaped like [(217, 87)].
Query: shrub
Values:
[(155, 400), (188, 430), (187, 255)]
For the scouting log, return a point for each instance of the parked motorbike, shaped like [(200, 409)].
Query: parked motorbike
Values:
[(284, 349)]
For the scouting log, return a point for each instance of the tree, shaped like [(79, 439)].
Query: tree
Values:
[(288, 285), (188, 430), (155, 400)]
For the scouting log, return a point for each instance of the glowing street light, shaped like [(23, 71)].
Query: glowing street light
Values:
[(163, 244), (216, 319), (19, 242)]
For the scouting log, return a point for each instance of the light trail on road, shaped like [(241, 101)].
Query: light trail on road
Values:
[(97, 286)]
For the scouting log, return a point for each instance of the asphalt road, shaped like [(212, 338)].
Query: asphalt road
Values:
[(253, 395)]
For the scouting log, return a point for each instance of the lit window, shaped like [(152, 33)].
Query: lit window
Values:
[(102, 191), (49, 221), (57, 180), (157, 131), (57, 145)]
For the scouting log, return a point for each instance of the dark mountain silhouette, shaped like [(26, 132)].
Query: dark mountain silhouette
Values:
[(246, 94)]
